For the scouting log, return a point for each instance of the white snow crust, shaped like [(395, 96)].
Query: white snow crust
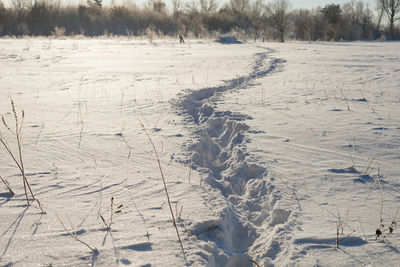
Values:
[(268, 151)]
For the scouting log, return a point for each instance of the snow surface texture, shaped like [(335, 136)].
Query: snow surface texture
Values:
[(262, 146)]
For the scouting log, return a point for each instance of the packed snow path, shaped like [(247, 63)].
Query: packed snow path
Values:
[(219, 150)]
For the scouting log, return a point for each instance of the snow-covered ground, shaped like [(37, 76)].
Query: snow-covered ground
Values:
[(267, 150)]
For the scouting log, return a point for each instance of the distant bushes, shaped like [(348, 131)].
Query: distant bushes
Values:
[(351, 22), (200, 18)]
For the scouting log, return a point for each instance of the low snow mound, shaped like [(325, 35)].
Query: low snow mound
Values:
[(228, 40)]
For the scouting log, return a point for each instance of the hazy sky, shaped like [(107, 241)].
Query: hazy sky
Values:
[(295, 3)]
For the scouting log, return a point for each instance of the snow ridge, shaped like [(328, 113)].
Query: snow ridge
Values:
[(219, 147)]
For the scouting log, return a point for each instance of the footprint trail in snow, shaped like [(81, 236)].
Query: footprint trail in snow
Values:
[(247, 225)]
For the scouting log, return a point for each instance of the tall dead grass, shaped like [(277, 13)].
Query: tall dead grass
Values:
[(17, 157), (166, 190)]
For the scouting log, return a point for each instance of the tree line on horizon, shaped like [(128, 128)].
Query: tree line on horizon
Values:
[(257, 19)]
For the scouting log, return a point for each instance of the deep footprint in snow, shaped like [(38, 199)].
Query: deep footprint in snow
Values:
[(279, 216)]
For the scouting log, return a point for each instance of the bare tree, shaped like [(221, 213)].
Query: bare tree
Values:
[(257, 17), (157, 6), (381, 11), (303, 24), (239, 6), (279, 11), (356, 21), (208, 6), (392, 10), (98, 3), (333, 15), (239, 9), (176, 6), (21, 6)]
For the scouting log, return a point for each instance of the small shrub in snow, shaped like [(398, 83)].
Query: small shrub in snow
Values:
[(151, 33), (384, 231), (58, 32)]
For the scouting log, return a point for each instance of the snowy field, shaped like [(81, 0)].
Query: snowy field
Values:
[(272, 153)]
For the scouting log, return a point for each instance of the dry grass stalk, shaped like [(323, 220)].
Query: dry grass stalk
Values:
[(305, 183), (211, 227), (340, 227), (19, 162), (378, 180), (178, 212), (347, 236), (338, 223), (190, 169), (7, 185), (382, 230), (254, 262), (112, 212), (362, 228), (292, 191), (165, 189), (74, 236)]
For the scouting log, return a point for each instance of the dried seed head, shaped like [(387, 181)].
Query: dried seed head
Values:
[(120, 206), (118, 211), (13, 109), (6, 125), (391, 230), (23, 114), (378, 232)]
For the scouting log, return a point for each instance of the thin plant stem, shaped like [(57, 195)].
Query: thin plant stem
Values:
[(165, 189), (94, 250), (362, 228), (381, 191), (254, 262), (7, 185), (18, 130), (19, 163)]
